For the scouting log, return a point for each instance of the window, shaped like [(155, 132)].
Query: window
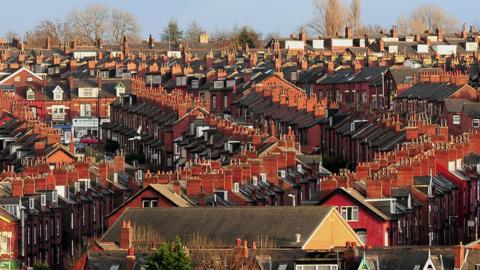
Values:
[(218, 84), (43, 200), (230, 83), (35, 235), (28, 235), (293, 76), (58, 226), (349, 213), (214, 102), (71, 220), (362, 234), (17, 79), (181, 80), (94, 212), (57, 94), (31, 203), (456, 119), (194, 84), (86, 92), (316, 267), (83, 216), (85, 110), (338, 95), (149, 203), (225, 101), (29, 79), (120, 91), (30, 94), (4, 244), (476, 123), (46, 231)]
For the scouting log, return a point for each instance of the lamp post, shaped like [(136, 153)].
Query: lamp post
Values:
[(293, 199)]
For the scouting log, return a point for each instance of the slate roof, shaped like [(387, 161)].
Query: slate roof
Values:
[(222, 225), (430, 91), (355, 195), (372, 75)]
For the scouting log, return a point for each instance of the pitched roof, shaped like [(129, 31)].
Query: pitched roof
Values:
[(222, 225), (355, 195), (430, 91), (168, 192)]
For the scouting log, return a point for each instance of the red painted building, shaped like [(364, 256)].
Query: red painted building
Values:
[(371, 225)]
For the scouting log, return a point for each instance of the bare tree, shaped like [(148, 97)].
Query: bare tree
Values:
[(10, 35), (329, 17), (369, 30), (91, 23), (222, 35), (193, 31), (123, 23), (58, 31), (427, 17), (354, 15), (403, 25)]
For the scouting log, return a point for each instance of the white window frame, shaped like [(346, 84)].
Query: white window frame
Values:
[(43, 200), (57, 95), (349, 213), (30, 94), (456, 120), (476, 123)]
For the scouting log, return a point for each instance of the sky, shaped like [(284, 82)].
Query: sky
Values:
[(267, 16)]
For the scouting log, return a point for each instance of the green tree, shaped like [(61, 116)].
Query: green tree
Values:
[(41, 266), (172, 32), (170, 255), (246, 35)]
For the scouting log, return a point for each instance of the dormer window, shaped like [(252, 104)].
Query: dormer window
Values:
[(87, 92), (30, 94), (120, 89), (57, 93)]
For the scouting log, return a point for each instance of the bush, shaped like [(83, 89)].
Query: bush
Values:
[(170, 255), (333, 163), (111, 146), (41, 266), (138, 156)]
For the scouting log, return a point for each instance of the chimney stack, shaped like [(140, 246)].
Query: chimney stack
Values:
[(348, 32), (459, 256), (151, 42), (126, 235), (130, 258)]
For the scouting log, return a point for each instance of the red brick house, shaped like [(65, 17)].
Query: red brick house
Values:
[(153, 195), (371, 225)]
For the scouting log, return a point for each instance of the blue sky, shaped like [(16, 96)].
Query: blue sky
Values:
[(283, 16)]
